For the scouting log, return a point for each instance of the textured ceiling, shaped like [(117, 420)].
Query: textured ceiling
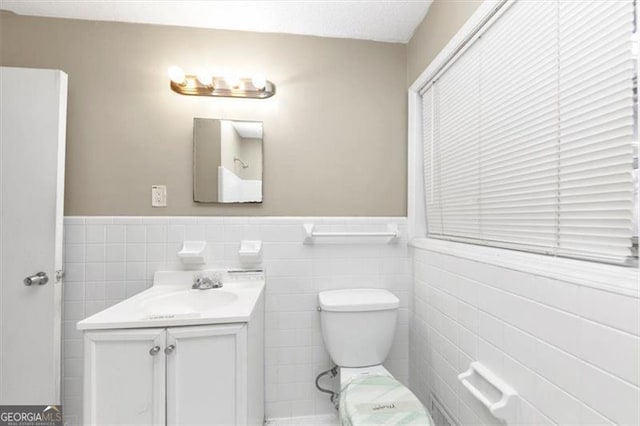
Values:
[(389, 20)]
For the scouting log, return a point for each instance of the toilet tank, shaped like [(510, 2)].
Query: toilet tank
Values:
[(358, 325)]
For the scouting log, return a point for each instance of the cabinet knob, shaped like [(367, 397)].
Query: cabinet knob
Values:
[(169, 349), (154, 350)]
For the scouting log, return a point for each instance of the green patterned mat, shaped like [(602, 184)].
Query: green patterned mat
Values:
[(380, 400)]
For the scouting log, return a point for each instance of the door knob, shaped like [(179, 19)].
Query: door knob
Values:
[(169, 349), (154, 350), (40, 278)]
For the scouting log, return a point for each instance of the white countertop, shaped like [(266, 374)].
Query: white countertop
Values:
[(171, 302)]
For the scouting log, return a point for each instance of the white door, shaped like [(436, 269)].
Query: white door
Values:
[(207, 375), (124, 377), (32, 148)]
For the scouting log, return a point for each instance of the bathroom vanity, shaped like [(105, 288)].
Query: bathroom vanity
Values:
[(173, 355)]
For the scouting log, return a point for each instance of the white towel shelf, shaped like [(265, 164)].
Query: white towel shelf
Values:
[(193, 252), (310, 234), (506, 407)]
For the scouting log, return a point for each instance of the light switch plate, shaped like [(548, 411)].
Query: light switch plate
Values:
[(159, 196)]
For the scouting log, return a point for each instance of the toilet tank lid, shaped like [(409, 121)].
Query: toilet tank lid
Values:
[(357, 300)]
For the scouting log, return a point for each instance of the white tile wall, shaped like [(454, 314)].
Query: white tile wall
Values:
[(572, 352), (108, 259)]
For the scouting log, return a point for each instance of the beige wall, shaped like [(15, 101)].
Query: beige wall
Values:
[(334, 134), (443, 21)]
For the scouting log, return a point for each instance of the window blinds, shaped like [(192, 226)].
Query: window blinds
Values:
[(529, 133)]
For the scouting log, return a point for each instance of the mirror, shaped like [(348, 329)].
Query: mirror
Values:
[(227, 161)]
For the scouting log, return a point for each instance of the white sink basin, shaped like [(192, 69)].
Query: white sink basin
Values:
[(172, 302), (186, 302)]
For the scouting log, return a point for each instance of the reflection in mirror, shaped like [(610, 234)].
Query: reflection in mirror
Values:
[(227, 161)]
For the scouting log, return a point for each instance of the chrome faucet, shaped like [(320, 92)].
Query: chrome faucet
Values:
[(206, 283)]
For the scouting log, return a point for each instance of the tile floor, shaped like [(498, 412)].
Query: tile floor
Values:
[(324, 420)]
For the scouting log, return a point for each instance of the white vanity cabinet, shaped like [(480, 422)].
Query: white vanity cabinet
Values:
[(178, 355), (207, 375), (123, 382), (193, 375)]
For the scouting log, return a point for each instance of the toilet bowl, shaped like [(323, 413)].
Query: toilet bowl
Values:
[(358, 327)]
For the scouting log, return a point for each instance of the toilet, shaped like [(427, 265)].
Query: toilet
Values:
[(358, 326)]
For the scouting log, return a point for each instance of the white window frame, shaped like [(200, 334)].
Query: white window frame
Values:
[(619, 279)]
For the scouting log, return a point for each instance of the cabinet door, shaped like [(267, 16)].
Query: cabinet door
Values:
[(124, 377), (207, 375)]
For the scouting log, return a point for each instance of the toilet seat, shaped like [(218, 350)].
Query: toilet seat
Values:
[(379, 399)]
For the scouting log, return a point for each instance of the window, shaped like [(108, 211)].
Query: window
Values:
[(529, 133)]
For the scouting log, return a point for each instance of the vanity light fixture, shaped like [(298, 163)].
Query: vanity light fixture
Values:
[(204, 83), (204, 77)]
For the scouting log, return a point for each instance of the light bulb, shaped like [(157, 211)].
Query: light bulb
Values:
[(176, 74), (232, 80), (204, 77), (259, 82)]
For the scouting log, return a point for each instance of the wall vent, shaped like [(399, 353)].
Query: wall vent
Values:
[(440, 414)]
